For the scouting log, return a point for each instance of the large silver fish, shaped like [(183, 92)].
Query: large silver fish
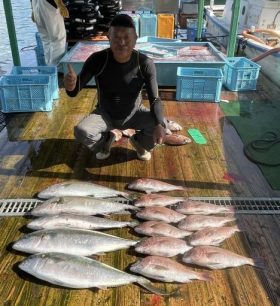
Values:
[(166, 270), (212, 236), (76, 221), (150, 185), (156, 228), (191, 207), (74, 271), (79, 206), (71, 241), (148, 200), (217, 258), (198, 222), (162, 246), (158, 213), (74, 188)]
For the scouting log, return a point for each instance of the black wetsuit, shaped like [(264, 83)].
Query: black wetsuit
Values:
[(119, 84)]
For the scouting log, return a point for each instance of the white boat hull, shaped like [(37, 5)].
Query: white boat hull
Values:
[(270, 65)]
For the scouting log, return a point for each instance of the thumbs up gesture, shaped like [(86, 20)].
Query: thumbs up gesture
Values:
[(70, 78)]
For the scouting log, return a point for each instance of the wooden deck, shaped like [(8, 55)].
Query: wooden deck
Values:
[(38, 150)]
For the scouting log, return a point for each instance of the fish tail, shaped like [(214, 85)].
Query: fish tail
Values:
[(205, 276), (134, 223), (144, 282), (258, 263)]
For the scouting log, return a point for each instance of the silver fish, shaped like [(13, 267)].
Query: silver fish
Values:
[(212, 236), (167, 270), (197, 222), (76, 221), (162, 246), (155, 228), (217, 258), (74, 188), (158, 213), (74, 271), (148, 200), (80, 206), (191, 207), (71, 241), (150, 185)]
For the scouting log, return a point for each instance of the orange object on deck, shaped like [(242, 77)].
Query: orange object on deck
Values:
[(165, 25)]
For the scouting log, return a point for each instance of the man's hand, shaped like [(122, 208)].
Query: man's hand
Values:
[(70, 78), (159, 134), (63, 9)]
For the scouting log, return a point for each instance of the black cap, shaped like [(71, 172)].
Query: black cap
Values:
[(122, 20)]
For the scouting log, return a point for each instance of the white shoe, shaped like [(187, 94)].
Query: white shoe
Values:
[(173, 126), (102, 155), (141, 152)]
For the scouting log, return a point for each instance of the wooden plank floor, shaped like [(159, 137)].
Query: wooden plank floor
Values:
[(37, 150)]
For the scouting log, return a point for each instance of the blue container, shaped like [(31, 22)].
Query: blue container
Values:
[(22, 93), (192, 32), (43, 70), (148, 24), (199, 84), (152, 39), (241, 74), (39, 50)]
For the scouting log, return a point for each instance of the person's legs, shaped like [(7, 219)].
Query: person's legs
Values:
[(93, 132)]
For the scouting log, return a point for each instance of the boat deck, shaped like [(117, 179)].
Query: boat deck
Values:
[(38, 150)]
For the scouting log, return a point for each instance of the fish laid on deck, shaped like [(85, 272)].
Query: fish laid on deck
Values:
[(212, 236), (150, 185), (80, 189), (77, 221), (71, 241), (191, 207), (167, 270), (158, 213), (157, 200), (80, 206), (156, 228), (176, 140), (162, 246), (80, 272), (198, 222), (217, 258)]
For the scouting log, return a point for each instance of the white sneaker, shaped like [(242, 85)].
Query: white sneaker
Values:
[(102, 155), (141, 152)]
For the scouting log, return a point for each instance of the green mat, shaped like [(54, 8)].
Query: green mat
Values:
[(254, 121)]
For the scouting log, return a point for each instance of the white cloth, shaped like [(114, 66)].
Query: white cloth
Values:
[(50, 25)]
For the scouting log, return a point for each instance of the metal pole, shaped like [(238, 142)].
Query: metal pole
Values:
[(200, 19), (11, 31), (233, 28)]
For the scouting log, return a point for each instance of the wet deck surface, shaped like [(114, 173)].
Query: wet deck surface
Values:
[(37, 150)]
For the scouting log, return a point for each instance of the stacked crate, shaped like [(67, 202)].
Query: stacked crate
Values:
[(165, 25), (148, 24)]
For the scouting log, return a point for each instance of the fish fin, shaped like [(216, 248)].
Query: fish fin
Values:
[(147, 284), (134, 223)]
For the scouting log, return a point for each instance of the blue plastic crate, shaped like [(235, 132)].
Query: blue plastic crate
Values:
[(148, 24), (199, 84), (241, 74), (22, 93), (192, 32), (39, 50), (40, 70)]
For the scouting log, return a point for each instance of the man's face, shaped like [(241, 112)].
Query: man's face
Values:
[(122, 41)]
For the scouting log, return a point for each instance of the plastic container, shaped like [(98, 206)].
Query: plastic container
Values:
[(148, 24), (39, 50), (241, 74), (192, 33), (22, 93), (165, 25), (199, 84), (152, 39), (41, 70)]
